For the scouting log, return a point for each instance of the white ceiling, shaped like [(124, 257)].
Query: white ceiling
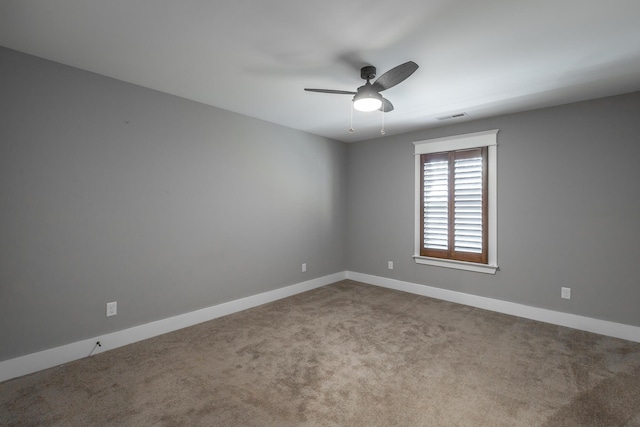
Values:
[(254, 57)]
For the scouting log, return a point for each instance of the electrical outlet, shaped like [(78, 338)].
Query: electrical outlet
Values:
[(390, 265), (304, 267), (565, 293), (112, 308)]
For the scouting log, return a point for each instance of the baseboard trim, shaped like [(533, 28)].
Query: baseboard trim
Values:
[(34, 362), (602, 327)]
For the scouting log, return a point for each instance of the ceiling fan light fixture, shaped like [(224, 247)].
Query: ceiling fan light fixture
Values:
[(367, 104), (367, 99)]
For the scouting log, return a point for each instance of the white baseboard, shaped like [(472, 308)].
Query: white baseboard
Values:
[(34, 362), (602, 327)]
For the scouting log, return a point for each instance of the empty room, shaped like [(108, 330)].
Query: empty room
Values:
[(336, 213)]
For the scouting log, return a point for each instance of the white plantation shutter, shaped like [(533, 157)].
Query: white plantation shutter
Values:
[(454, 205), (468, 193), (436, 203)]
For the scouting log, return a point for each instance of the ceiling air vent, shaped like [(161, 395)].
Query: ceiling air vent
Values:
[(452, 116)]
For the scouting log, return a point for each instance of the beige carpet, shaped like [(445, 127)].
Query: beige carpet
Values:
[(344, 355)]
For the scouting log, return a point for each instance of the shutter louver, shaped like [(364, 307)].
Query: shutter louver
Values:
[(468, 207)]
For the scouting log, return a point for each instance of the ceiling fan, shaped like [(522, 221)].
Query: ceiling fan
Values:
[(367, 97)]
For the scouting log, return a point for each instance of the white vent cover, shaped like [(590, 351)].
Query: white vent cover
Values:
[(452, 116)]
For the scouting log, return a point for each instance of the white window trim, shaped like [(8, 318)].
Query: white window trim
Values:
[(462, 142)]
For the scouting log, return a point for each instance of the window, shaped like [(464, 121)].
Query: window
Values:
[(454, 209), (456, 202)]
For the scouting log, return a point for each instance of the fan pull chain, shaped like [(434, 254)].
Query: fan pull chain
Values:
[(382, 130), (351, 127)]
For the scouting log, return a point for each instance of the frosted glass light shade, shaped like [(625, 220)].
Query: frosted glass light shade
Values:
[(367, 104)]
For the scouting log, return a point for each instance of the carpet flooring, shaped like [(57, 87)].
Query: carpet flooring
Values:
[(347, 354)]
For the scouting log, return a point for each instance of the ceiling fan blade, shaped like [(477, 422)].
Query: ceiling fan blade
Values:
[(339, 92), (394, 76), (386, 105)]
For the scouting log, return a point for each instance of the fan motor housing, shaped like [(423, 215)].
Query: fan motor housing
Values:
[(368, 72)]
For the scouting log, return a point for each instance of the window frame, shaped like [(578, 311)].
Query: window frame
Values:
[(474, 140)]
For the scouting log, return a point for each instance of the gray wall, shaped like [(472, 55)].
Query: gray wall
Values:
[(114, 192), (110, 191), (568, 209)]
